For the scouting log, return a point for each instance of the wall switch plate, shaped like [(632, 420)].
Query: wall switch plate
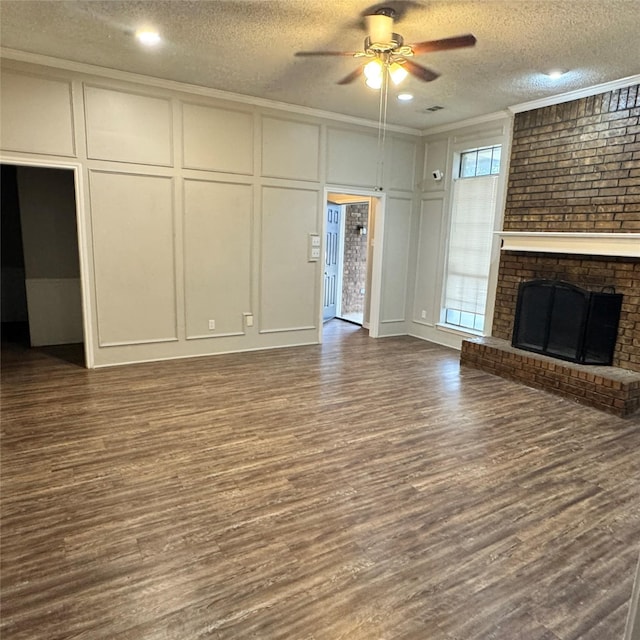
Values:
[(313, 247), (212, 325), (248, 319)]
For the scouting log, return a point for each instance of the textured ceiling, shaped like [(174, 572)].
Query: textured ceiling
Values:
[(247, 47)]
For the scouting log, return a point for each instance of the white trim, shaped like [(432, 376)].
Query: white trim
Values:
[(470, 122), (458, 331), (575, 95), (594, 244), (535, 104), (377, 248), (204, 355), (174, 85), (132, 343), (286, 329), (81, 234), (377, 201), (343, 225), (219, 335)]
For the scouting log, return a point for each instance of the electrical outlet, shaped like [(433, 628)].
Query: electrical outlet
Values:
[(423, 314), (212, 325)]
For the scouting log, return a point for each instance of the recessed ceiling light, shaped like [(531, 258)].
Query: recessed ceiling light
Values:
[(554, 74), (405, 97), (148, 37)]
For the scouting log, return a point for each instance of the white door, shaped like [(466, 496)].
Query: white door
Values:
[(331, 262)]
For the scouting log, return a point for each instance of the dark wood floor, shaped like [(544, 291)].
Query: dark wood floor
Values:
[(364, 489)]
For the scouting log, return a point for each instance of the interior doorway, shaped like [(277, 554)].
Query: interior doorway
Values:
[(41, 284), (346, 260)]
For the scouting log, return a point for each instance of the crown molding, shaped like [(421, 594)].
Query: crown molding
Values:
[(575, 95), (535, 104), (184, 87), (470, 122)]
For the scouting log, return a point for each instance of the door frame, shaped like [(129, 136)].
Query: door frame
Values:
[(343, 211), (375, 245), (83, 251)]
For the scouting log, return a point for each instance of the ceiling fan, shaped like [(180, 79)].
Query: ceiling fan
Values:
[(385, 50)]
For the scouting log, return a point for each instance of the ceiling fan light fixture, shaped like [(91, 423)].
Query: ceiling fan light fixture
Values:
[(374, 82), (373, 69), (397, 72)]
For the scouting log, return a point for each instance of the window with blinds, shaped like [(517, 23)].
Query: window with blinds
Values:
[(470, 239)]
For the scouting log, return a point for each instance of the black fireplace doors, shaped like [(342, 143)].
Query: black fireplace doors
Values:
[(564, 321)]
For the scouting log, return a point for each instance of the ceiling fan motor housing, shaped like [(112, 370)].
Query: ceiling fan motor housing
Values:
[(380, 30), (394, 42)]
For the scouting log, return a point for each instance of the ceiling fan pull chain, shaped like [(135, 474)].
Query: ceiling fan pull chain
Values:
[(381, 126)]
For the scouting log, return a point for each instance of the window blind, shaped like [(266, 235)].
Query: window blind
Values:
[(470, 239)]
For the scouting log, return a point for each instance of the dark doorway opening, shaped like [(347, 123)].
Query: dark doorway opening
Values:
[(41, 289)]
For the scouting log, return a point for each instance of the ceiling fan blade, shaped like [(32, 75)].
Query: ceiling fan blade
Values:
[(456, 42), (351, 54), (351, 77), (417, 70)]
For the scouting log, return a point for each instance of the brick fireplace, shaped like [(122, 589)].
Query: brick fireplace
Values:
[(574, 169)]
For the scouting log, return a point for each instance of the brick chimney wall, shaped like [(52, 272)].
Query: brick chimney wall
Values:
[(575, 167), (355, 258)]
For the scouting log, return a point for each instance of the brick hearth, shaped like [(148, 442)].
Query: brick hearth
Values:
[(608, 388)]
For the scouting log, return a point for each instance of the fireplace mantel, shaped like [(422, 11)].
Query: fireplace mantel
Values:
[(592, 244)]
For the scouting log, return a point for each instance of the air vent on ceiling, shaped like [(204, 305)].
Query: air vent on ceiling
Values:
[(435, 107)]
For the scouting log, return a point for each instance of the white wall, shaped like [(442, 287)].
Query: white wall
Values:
[(195, 211)]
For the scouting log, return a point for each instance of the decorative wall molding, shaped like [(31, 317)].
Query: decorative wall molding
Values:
[(173, 85), (593, 244)]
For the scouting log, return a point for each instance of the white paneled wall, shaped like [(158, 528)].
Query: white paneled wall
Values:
[(395, 262), (217, 139), (290, 150), (400, 165), (195, 212), (430, 255), (36, 114), (217, 256), (133, 248), (289, 294), (126, 127), (352, 158)]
